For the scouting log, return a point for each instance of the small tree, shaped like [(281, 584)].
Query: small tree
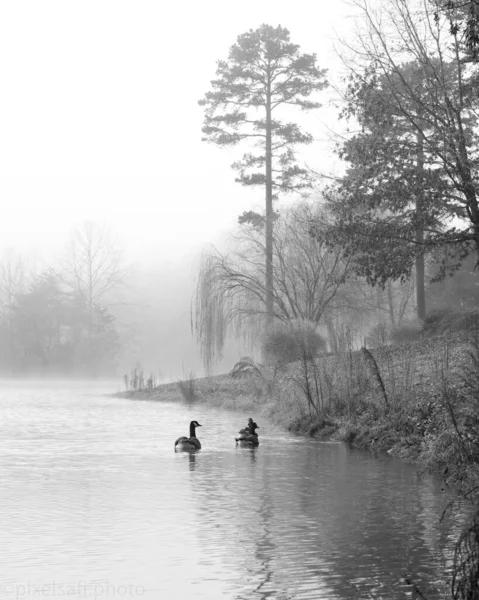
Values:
[(94, 268), (264, 72)]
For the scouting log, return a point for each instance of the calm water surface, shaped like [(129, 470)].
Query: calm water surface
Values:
[(95, 503)]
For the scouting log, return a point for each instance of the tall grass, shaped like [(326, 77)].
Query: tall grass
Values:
[(372, 392), (136, 381)]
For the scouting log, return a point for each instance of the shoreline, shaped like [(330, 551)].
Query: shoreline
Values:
[(423, 415)]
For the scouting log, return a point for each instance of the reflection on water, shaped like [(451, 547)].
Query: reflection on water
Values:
[(93, 494)]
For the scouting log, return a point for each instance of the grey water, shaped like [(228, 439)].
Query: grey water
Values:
[(95, 503)]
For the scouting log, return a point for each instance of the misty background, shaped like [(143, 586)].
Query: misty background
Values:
[(101, 133), (101, 124)]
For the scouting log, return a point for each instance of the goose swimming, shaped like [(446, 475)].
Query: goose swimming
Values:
[(248, 435), (191, 443)]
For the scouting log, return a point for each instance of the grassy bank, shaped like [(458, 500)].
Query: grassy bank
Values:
[(417, 401)]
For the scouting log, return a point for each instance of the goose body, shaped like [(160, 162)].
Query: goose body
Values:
[(184, 443), (248, 435)]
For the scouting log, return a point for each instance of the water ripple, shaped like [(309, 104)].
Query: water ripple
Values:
[(94, 495)]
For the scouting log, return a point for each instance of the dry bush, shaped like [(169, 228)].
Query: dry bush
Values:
[(446, 321), (246, 367), (406, 332), (187, 387), (379, 335)]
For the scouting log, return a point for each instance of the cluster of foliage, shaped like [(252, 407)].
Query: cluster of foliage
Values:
[(283, 344), (409, 331)]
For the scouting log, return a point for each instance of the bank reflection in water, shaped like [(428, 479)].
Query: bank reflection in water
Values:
[(320, 522)]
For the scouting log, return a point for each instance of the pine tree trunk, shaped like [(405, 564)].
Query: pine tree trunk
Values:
[(269, 214)]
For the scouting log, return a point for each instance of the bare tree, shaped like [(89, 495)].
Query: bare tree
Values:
[(307, 276), (94, 268)]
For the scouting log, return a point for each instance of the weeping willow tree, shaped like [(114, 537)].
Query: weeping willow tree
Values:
[(230, 295), (225, 302)]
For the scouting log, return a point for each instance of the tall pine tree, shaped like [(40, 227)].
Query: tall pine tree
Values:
[(263, 72)]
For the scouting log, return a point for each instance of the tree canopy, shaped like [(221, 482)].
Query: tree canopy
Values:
[(412, 162)]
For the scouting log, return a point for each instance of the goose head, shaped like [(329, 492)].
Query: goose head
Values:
[(193, 426)]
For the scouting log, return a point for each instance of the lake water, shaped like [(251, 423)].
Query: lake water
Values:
[(95, 504)]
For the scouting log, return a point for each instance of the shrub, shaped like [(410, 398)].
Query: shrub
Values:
[(408, 331), (288, 342), (446, 321), (378, 335)]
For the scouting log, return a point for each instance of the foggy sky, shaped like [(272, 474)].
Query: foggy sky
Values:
[(100, 120)]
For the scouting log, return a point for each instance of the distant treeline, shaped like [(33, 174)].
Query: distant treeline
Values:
[(58, 320), (50, 329)]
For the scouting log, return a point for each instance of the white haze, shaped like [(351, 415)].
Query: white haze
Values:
[(99, 120)]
